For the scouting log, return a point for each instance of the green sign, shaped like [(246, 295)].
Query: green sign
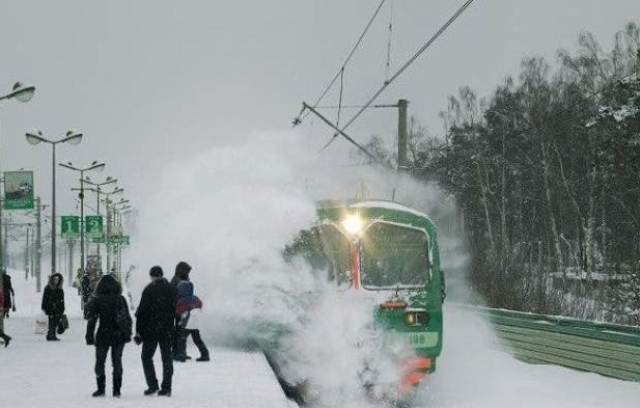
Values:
[(18, 190), (93, 226), (70, 226), (97, 240), (120, 240)]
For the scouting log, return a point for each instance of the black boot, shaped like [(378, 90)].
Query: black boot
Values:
[(165, 392), (151, 390), (101, 385), (6, 339), (117, 384)]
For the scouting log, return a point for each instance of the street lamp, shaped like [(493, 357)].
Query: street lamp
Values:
[(97, 166), (22, 93), (98, 191), (35, 137)]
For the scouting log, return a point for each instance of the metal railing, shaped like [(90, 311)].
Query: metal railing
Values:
[(607, 349)]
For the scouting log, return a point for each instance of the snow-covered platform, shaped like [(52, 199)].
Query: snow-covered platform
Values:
[(36, 373)]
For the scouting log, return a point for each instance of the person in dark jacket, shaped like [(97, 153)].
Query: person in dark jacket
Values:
[(53, 304), (8, 292), (104, 307), (3, 336), (179, 352), (155, 327), (88, 284)]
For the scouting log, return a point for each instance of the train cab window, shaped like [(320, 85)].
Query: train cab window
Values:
[(336, 246), (394, 257), (325, 249)]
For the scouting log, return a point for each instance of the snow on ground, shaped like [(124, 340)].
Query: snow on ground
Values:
[(36, 373), (471, 373)]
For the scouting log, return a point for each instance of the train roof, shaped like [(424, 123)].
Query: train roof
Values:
[(388, 210)]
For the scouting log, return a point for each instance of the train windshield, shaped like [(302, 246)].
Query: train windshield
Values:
[(324, 248), (394, 257)]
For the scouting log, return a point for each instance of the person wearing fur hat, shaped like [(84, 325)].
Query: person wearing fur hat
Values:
[(53, 304), (188, 310), (155, 327), (104, 307)]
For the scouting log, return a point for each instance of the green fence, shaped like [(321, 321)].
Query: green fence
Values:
[(607, 349)]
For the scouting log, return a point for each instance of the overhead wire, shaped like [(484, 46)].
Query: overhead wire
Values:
[(336, 133), (389, 42), (406, 65), (344, 64)]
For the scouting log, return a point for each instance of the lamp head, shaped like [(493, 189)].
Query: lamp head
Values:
[(34, 137), (22, 92), (72, 137)]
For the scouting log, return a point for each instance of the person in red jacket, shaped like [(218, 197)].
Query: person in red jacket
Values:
[(3, 336)]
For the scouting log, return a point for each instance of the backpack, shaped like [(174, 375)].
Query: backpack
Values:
[(123, 319)]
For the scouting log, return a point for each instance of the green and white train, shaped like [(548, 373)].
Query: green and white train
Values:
[(389, 251)]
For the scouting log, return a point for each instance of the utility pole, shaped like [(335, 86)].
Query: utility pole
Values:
[(26, 254), (70, 243), (5, 254), (108, 240), (402, 134), (38, 245)]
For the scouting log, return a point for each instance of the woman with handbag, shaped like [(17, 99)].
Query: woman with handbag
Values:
[(108, 306), (53, 304)]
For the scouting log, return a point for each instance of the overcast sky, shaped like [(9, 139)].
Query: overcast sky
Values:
[(150, 81)]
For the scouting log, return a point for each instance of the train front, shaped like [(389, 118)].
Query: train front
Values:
[(390, 252)]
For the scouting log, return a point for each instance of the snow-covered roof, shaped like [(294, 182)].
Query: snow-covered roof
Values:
[(391, 205)]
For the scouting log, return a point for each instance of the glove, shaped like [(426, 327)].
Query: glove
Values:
[(90, 340), (137, 339)]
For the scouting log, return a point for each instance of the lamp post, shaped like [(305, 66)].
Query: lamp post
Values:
[(22, 93), (107, 201), (98, 191), (118, 212), (98, 166), (114, 216), (73, 138)]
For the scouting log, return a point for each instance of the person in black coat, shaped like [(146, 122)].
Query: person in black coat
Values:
[(8, 292), (88, 284), (104, 307), (53, 304), (155, 327)]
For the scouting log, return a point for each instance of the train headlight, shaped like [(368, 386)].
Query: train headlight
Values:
[(352, 224), (416, 318)]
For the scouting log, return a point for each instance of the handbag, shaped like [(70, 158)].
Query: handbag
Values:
[(63, 325), (123, 319)]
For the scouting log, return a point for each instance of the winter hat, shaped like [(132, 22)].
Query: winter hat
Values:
[(156, 272), (183, 269)]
